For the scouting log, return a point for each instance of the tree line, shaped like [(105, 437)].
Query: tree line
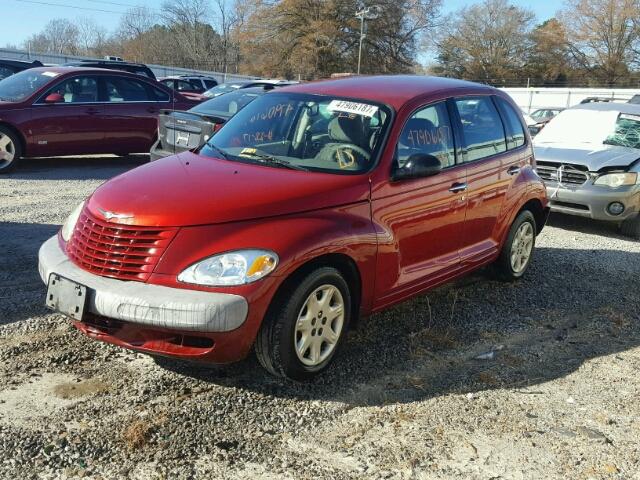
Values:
[(588, 42)]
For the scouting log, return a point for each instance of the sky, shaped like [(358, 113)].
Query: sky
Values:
[(22, 18)]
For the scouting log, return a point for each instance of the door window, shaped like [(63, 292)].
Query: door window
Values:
[(120, 89), (210, 83), (482, 127), (77, 90), (428, 132), (512, 124), (5, 72), (185, 86)]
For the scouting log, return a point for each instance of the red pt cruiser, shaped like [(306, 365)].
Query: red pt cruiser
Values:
[(314, 205)]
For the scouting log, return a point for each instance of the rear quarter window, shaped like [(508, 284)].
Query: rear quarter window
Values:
[(512, 124)]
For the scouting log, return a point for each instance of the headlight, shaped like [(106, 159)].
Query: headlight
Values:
[(231, 268), (615, 180), (70, 222)]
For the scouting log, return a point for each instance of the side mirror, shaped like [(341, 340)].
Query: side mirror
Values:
[(419, 165), (54, 98)]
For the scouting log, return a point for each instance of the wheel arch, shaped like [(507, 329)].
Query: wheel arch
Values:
[(540, 213), (345, 264)]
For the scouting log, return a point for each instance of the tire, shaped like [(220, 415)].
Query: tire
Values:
[(295, 321), (10, 146), (522, 235), (631, 227)]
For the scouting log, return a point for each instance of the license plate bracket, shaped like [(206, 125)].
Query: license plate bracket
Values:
[(66, 296)]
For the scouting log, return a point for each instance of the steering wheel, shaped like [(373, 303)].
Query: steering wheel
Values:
[(343, 154)]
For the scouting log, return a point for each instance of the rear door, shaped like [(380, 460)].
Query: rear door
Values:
[(132, 107), (492, 166), (421, 218), (73, 127)]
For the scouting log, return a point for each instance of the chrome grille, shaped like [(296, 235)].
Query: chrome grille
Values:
[(571, 174)]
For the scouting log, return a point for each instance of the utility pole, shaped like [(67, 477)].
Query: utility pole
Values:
[(368, 13)]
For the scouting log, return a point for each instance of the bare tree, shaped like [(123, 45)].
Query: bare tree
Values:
[(91, 36), (58, 36), (603, 35), (486, 41)]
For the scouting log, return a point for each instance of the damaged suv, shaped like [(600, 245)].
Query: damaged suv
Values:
[(312, 206), (589, 158)]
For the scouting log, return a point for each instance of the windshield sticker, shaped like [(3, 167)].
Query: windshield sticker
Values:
[(345, 106), (50, 74)]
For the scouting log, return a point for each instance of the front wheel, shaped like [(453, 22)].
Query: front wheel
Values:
[(517, 251), (303, 331), (631, 227), (10, 150)]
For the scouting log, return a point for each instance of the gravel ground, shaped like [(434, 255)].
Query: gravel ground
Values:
[(553, 394)]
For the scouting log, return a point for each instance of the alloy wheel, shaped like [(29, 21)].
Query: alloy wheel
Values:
[(7, 150), (319, 325), (522, 247)]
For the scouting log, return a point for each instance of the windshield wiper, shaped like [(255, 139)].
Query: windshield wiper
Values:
[(222, 153), (274, 160)]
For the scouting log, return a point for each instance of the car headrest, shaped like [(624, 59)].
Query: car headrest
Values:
[(347, 129)]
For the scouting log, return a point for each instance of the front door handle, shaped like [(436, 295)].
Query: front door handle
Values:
[(515, 170), (458, 187)]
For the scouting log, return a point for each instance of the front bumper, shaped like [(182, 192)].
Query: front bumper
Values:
[(152, 306), (592, 201)]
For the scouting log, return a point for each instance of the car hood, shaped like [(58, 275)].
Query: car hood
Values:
[(189, 189), (595, 157)]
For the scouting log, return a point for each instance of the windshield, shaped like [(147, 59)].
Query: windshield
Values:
[(228, 104), (22, 85), (302, 131), (222, 88), (599, 127)]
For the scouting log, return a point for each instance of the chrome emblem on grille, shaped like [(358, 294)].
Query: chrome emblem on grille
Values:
[(111, 215)]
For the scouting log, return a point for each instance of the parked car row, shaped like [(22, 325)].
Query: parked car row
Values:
[(314, 204)]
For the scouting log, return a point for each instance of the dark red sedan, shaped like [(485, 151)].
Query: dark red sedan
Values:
[(315, 204), (52, 111)]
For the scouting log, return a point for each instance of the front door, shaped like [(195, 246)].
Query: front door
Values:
[(420, 220), (74, 126)]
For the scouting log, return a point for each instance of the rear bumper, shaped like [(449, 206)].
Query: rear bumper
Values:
[(151, 306), (591, 201)]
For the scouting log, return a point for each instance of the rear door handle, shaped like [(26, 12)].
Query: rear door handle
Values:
[(515, 170), (458, 187), (92, 111), (152, 110)]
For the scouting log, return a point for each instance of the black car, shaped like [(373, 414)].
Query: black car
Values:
[(8, 67), (233, 86), (137, 68), (182, 131)]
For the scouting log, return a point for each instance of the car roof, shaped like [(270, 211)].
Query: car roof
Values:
[(630, 108), (61, 70), (20, 63), (107, 62), (393, 90)]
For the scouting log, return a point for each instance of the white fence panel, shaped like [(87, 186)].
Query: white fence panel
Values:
[(529, 99)]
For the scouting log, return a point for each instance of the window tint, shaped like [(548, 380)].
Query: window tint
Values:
[(167, 83), (120, 89), (428, 131), (513, 125), (482, 127), (184, 86), (210, 83), (159, 95), (5, 72), (77, 90)]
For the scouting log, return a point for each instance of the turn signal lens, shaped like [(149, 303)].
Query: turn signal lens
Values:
[(70, 222)]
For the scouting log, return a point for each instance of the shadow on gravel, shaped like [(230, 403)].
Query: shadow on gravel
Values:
[(95, 167), (586, 225), (573, 306), (21, 290)]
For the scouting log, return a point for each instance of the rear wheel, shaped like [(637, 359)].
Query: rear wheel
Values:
[(631, 227), (10, 150), (517, 252), (302, 334)]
